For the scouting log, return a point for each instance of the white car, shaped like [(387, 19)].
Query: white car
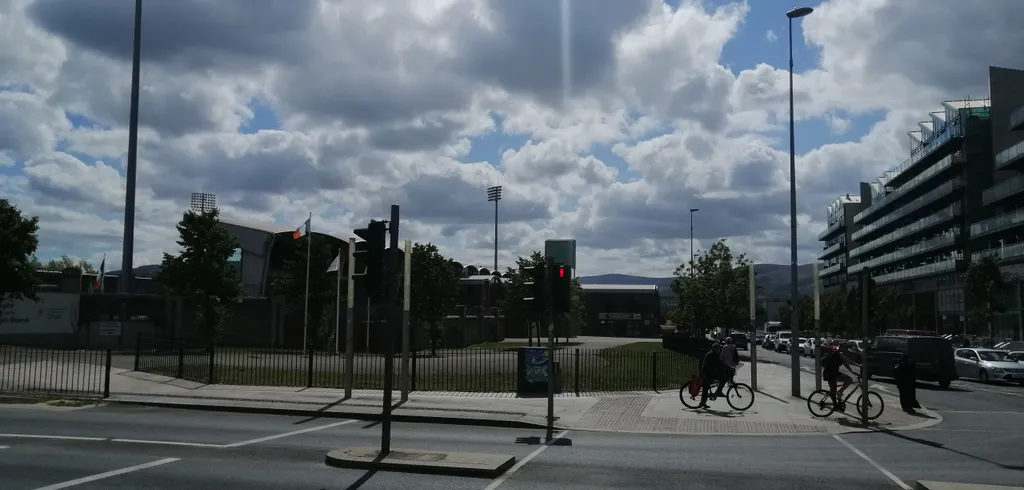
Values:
[(803, 346), (987, 365), (783, 341)]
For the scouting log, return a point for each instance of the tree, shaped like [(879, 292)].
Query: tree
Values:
[(433, 290), (66, 262), (291, 283), (201, 271), (985, 286), (713, 290), (18, 244), (516, 291)]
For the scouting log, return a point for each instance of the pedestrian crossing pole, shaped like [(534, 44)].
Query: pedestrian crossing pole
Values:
[(753, 328), (816, 345)]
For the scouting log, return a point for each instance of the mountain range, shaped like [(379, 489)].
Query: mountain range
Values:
[(773, 280)]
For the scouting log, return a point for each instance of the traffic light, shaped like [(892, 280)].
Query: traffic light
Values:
[(536, 296), (371, 256), (561, 288)]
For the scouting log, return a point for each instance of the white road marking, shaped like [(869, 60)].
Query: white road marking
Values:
[(872, 462), (62, 438), (501, 479), (287, 434), (100, 476), (4, 447), (169, 443)]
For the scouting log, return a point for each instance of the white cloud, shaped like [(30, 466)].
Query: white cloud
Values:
[(426, 103)]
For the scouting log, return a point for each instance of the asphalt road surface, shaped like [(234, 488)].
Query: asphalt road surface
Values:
[(120, 447)]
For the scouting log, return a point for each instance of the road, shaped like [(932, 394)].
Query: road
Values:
[(119, 447)]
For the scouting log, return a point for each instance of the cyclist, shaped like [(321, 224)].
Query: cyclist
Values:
[(711, 371), (830, 372)]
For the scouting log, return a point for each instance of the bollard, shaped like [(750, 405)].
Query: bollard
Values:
[(309, 370), (209, 373), (106, 377)]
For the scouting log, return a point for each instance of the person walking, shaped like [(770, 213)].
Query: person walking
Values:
[(906, 383)]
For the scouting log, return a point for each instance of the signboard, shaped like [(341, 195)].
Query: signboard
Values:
[(562, 251), (618, 316), (54, 313), (110, 329)]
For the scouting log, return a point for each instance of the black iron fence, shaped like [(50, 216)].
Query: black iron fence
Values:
[(34, 370), (461, 370)]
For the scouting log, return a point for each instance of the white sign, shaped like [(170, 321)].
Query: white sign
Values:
[(54, 313), (110, 329)]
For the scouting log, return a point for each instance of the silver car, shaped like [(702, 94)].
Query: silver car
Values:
[(988, 365)]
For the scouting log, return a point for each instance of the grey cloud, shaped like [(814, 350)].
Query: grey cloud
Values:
[(195, 34), (450, 200), (523, 52)]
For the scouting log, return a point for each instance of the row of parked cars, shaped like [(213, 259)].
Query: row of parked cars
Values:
[(935, 358)]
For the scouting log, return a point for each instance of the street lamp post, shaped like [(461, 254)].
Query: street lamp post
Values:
[(125, 282), (793, 290), (692, 210), (494, 195)]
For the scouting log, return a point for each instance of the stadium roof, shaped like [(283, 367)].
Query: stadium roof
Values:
[(257, 225)]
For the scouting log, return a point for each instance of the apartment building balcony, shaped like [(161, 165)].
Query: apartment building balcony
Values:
[(1003, 222), (1013, 251), (928, 246), (940, 139), (831, 231), (830, 270), (830, 251), (897, 194), (928, 223), (1017, 119), (939, 267), (1010, 157), (1007, 188), (909, 208)]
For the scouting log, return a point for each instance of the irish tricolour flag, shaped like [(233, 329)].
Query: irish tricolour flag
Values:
[(302, 230)]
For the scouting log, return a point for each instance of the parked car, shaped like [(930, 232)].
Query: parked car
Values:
[(933, 357), (804, 346), (1017, 356), (783, 341), (987, 365), (740, 340)]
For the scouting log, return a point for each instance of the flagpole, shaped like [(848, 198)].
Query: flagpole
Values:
[(337, 307), (305, 308)]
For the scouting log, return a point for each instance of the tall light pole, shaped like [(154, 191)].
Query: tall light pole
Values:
[(494, 195), (127, 278), (692, 210), (793, 290)]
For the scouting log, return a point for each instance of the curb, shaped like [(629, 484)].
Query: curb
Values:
[(339, 458), (372, 417), (934, 419)]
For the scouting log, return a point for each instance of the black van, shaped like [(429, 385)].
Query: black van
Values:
[(932, 355)]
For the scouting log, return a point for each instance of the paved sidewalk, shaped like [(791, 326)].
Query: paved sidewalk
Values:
[(774, 410)]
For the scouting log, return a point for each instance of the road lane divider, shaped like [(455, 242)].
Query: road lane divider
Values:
[(108, 474), (288, 434)]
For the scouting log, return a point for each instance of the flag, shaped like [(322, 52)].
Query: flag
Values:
[(335, 264), (302, 230), (99, 279)]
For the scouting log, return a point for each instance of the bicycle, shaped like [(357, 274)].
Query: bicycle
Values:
[(823, 401), (735, 393)]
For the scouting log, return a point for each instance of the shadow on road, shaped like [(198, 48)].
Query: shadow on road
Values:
[(321, 409), (937, 445), (920, 385), (366, 476)]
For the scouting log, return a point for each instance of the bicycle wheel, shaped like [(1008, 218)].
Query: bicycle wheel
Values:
[(689, 401), (820, 403), (874, 407), (740, 396)]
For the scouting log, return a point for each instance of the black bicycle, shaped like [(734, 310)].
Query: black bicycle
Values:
[(821, 403), (740, 396)]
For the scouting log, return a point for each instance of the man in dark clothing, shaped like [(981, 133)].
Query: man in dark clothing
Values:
[(906, 382), (711, 371)]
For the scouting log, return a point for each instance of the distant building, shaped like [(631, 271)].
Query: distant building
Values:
[(622, 310)]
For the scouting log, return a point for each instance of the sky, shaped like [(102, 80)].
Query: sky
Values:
[(603, 120)]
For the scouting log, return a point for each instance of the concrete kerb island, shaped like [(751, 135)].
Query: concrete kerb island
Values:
[(475, 465)]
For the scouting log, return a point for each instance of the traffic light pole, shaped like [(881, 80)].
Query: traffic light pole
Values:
[(350, 318), (549, 436), (394, 317)]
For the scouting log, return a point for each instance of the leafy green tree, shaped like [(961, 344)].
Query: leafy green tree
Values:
[(66, 262), (291, 283), (433, 290), (985, 286), (18, 244), (713, 290), (201, 271)]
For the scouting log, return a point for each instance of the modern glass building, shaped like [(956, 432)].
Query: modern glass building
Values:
[(959, 195), (835, 256)]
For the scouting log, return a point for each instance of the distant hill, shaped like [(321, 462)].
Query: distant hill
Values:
[(772, 278), (141, 271)]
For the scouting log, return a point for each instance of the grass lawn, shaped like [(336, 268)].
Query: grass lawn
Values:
[(517, 344), (642, 366)]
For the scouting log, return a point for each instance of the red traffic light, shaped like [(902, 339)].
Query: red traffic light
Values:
[(561, 272)]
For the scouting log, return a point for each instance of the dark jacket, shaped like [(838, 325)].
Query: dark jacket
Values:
[(711, 367)]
